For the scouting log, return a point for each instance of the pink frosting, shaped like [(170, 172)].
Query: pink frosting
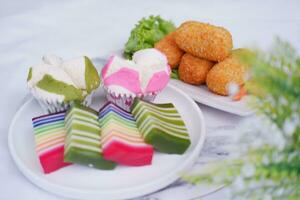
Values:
[(169, 70), (126, 78), (129, 79), (158, 82), (106, 66)]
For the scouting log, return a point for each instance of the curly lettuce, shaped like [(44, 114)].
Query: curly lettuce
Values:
[(174, 74), (146, 33)]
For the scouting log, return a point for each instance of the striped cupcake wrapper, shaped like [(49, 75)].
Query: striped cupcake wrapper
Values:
[(125, 101)]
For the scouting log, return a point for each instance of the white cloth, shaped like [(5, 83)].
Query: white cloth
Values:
[(30, 29)]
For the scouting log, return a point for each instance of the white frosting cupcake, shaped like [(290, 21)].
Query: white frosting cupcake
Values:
[(56, 83)]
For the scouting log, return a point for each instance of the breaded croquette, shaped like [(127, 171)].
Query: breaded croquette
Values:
[(193, 70), (168, 46), (229, 71), (204, 40)]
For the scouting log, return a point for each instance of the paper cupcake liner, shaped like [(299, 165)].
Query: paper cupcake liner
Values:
[(125, 101), (53, 105)]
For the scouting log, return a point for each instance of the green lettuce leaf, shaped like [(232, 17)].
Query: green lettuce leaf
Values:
[(174, 74), (146, 33)]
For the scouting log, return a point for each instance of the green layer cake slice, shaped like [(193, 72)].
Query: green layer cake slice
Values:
[(83, 138), (161, 126)]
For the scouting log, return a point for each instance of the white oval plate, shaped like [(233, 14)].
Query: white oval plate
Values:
[(80, 182), (202, 95)]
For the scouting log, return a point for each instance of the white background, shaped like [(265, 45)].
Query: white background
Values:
[(29, 29)]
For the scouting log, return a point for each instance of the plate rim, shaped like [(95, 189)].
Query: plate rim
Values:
[(213, 104), (142, 190)]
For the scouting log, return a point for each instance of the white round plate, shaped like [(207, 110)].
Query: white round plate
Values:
[(79, 182)]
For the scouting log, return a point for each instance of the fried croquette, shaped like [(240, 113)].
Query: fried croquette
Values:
[(229, 71), (204, 40), (193, 70), (168, 46)]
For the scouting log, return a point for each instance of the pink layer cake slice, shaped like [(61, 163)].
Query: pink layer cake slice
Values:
[(120, 139), (49, 134)]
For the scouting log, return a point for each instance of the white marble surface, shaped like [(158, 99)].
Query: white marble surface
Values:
[(31, 28)]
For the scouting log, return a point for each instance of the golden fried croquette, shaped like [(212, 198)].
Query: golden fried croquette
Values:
[(193, 70), (168, 46), (204, 40), (229, 71)]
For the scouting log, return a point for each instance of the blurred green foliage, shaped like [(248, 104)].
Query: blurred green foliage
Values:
[(271, 170)]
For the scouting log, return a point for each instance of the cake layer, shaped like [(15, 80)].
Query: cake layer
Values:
[(161, 126), (120, 139), (50, 134), (46, 119), (83, 138), (77, 124), (127, 154), (89, 158), (81, 111), (53, 159), (145, 127), (112, 107), (111, 117), (121, 136)]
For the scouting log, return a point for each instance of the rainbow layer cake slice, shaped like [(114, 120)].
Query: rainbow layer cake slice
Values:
[(121, 140), (83, 138), (161, 126), (49, 134)]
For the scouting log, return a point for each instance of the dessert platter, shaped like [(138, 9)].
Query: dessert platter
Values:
[(123, 128)]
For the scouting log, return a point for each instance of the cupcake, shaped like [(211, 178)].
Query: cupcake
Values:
[(144, 77), (56, 83)]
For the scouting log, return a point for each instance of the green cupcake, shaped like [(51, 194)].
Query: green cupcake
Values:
[(56, 83)]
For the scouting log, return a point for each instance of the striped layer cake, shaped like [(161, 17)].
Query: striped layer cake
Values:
[(121, 141), (83, 138), (49, 134), (161, 126)]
